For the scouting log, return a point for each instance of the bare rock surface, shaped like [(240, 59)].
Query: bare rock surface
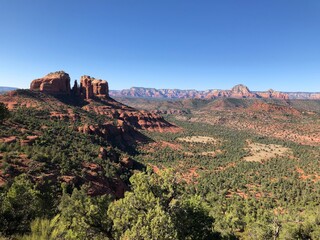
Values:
[(56, 83), (91, 87)]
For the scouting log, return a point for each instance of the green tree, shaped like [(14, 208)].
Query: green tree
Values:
[(41, 229), (257, 230), (192, 219), (154, 224), (4, 112), (20, 205), (137, 208), (83, 217), (158, 209), (80, 217)]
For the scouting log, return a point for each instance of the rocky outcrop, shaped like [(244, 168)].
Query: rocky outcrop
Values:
[(55, 83), (272, 108), (129, 116), (241, 91), (29, 140), (148, 121), (8, 140), (273, 94), (75, 89), (120, 135), (91, 87), (215, 93), (59, 83)]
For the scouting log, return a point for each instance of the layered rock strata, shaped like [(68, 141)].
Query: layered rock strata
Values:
[(56, 83), (238, 91), (59, 83), (91, 87)]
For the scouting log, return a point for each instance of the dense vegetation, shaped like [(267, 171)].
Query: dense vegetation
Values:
[(4, 112), (249, 200), (203, 190)]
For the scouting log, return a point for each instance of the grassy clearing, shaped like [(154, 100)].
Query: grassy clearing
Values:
[(260, 152), (198, 139)]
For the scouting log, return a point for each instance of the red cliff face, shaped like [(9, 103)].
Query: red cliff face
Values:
[(238, 91), (315, 96), (56, 83), (273, 94), (91, 87), (241, 91), (59, 83)]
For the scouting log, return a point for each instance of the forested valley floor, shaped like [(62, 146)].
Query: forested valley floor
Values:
[(244, 174)]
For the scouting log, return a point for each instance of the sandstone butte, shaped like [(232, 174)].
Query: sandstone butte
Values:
[(56, 82), (59, 83), (242, 91)]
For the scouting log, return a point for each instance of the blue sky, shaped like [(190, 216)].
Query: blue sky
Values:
[(198, 44)]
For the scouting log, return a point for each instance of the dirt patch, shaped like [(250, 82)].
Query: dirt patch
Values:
[(212, 153), (162, 144), (303, 129), (313, 177), (229, 165), (155, 169), (209, 153), (190, 175), (198, 139), (241, 194), (173, 146), (260, 152)]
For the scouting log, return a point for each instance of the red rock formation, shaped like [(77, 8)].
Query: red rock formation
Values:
[(56, 83), (216, 93), (28, 141), (315, 96), (91, 87), (273, 108), (241, 91), (238, 91), (8, 140), (273, 94), (120, 135), (75, 89)]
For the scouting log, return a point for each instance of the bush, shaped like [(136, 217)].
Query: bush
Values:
[(4, 112)]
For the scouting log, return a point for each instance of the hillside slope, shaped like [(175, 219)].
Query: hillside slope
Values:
[(50, 133), (6, 89)]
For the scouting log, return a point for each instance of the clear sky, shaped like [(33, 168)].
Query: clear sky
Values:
[(186, 44)]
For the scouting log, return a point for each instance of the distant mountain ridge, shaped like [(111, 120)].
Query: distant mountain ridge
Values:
[(6, 89), (238, 91), (303, 95)]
